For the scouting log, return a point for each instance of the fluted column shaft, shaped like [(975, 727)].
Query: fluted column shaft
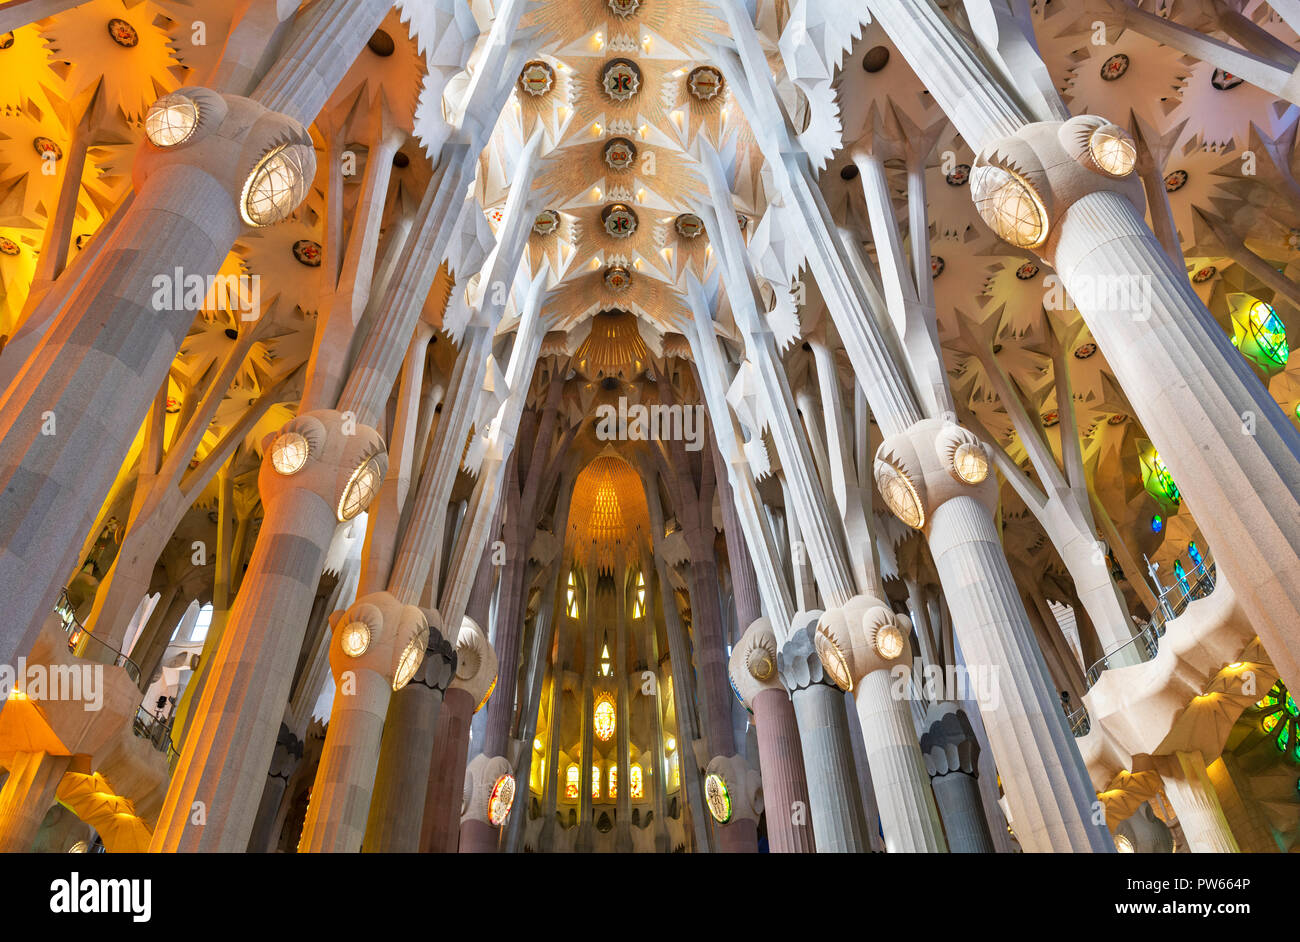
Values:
[(958, 796), (26, 796), (1046, 783), (828, 762), (1197, 804), (1234, 454), (902, 788), (785, 784), (230, 741), (318, 54), (440, 832)]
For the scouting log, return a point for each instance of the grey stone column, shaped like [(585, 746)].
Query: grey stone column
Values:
[(952, 759), (288, 751), (827, 753), (440, 831)]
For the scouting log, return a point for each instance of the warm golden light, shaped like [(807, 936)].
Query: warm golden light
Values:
[(899, 494), (355, 639), (1113, 151), (889, 642), (970, 463), (289, 453), (171, 120), (276, 186), (360, 490), (1010, 205), (410, 661)]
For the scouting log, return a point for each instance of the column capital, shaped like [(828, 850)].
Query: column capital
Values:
[(928, 464), (328, 453), (860, 637), (948, 743), (476, 663), (490, 790), (799, 665), (753, 663), (378, 633)]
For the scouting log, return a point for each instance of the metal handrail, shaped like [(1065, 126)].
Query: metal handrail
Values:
[(1080, 723), (156, 730), (1147, 640), (79, 639)]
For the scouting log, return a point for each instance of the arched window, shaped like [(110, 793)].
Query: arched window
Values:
[(636, 782), (675, 771), (613, 782), (595, 781), (571, 782), (604, 717)]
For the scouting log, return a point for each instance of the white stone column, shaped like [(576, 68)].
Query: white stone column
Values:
[(1196, 803)]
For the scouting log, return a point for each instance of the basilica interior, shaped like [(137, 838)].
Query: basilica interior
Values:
[(706, 426)]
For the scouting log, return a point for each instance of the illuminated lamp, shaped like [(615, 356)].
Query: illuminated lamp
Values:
[(502, 797), (276, 186), (289, 453), (717, 798), (171, 120)]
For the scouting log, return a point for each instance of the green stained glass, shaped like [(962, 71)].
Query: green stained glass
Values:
[(1270, 723), (1261, 337), (1290, 706), (1283, 736)]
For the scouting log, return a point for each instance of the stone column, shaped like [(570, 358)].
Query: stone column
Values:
[(1196, 803), (22, 12), (288, 750), (824, 735), (780, 755), (476, 672), (26, 796), (952, 759), (188, 209), (228, 746), (864, 648), (936, 477), (397, 806), (377, 645)]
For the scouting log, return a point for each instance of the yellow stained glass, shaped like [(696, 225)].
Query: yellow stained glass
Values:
[(604, 717), (595, 781), (637, 786), (571, 783), (613, 782)]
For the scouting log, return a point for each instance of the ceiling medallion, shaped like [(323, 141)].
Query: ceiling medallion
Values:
[(619, 220), (1114, 67), (307, 252), (743, 221), (7, 40), (547, 221), (173, 405), (1176, 181), (1204, 275), (937, 265), (620, 154), (536, 78), (8, 246), (624, 8), (960, 175), (1027, 271), (621, 79), (618, 279), (1224, 81), (1085, 350), (47, 149), (1051, 418), (705, 83), (123, 33), (1293, 240), (689, 225), (1119, 418)]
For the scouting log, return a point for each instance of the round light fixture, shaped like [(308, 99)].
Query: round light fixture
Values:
[(900, 495), (289, 453), (502, 797), (355, 639), (970, 463), (1123, 844), (1113, 150), (889, 642), (410, 661), (833, 662), (171, 120), (717, 798), (1010, 205), (360, 490), (276, 186)]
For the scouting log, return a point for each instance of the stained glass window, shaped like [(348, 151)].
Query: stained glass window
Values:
[(612, 792), (637, 780), (595, 781), (571, 782), (604, 717), (675, 768), (1158, 481), (1280, 719), (1260, 335)]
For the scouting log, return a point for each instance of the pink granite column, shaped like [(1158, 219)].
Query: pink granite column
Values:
[(440, 832), (785, 784)]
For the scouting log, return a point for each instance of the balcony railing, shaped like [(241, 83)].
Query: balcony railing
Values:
[(1173, 602), (85, 644), (157, 730)]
